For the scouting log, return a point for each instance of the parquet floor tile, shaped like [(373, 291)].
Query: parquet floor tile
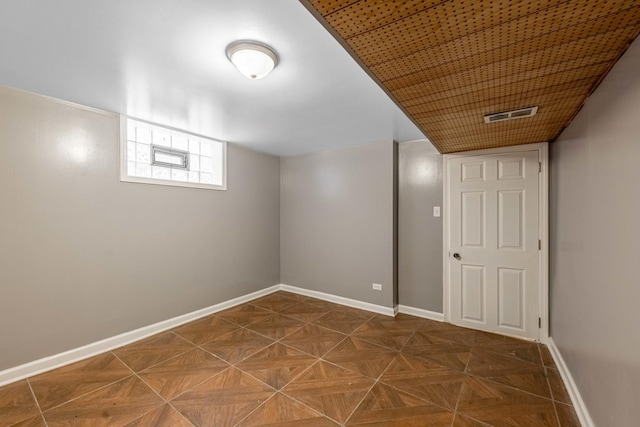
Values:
[(276, 326), (277, 302), (458, 336), (558, 390), (488, 340), (340, 321), (496, 404), (282, 411), (153, 350), (205, 330), (386, 334), (361, 356), (313, 339), (291, 360), (244, 314), (222, 400), (291, 295), (363, 314), (434, 383), (175, 376), (238, 345), (17, 403), (330, 389), (387, 406), (36, 421), (56, 387), (277, 364), (547, 359), (456, 358), (332, 306), (432, 325), (427, 341), (567, 415), (114, 405), (399, 322), (462, 421), (163, 416), (506, 370), (306, 311), (436, 350), (527, 351)]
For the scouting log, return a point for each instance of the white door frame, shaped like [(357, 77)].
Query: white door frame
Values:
[(543, 226)]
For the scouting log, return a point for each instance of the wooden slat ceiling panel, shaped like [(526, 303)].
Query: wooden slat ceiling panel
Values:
[(424, 111), (447, 63), (393, 41), (458, 50), (508, 126), (456, 84), (462, 104), (330, 6), (550, 56), (359, 18), (443, 120)]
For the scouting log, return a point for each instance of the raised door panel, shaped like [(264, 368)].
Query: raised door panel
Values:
[(511, 219), (472, 171), (473, 219), (473, 293), (511, 168), (511, 298)]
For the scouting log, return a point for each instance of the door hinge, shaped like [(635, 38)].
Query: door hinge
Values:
[(539, 244), (539, 167), (539, 323)]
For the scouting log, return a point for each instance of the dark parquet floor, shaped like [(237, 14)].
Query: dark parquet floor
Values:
[(291, 360)]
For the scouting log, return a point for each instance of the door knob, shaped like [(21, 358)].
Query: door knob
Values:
[(457, 256)]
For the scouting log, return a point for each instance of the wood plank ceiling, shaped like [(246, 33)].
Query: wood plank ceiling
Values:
[(449, 63)]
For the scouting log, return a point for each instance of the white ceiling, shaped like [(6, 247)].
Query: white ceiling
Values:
[(164, 61)]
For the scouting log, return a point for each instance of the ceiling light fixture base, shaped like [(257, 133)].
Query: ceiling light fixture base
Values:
[(253, 59)]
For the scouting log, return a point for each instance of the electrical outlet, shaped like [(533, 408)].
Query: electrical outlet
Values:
[(436, 211), (377, 287)]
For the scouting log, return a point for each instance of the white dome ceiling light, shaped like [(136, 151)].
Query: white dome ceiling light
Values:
[(253, 59)]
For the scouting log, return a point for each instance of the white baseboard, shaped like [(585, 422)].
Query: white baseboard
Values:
[(389, 311), (572, 388), (419, 312), (52, 362)]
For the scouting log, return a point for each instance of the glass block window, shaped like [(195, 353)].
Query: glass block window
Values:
[(152, 154)]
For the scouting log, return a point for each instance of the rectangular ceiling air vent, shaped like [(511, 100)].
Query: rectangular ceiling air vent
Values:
[(511, 115)]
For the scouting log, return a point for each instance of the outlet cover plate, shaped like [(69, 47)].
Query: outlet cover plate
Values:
[(376, 287)]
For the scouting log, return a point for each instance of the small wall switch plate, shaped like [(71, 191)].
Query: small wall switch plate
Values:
[(377, 287), (436, 211)]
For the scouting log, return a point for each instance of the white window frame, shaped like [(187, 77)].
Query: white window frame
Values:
[(124, 177)]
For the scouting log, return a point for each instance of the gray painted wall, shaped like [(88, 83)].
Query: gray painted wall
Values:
[(337, 222), (595, 244), (420, 234), (84, 257)]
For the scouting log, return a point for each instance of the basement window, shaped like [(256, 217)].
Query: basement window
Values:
[(152, 154)]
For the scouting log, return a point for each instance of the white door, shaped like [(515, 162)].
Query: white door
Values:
[(494, 278)]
